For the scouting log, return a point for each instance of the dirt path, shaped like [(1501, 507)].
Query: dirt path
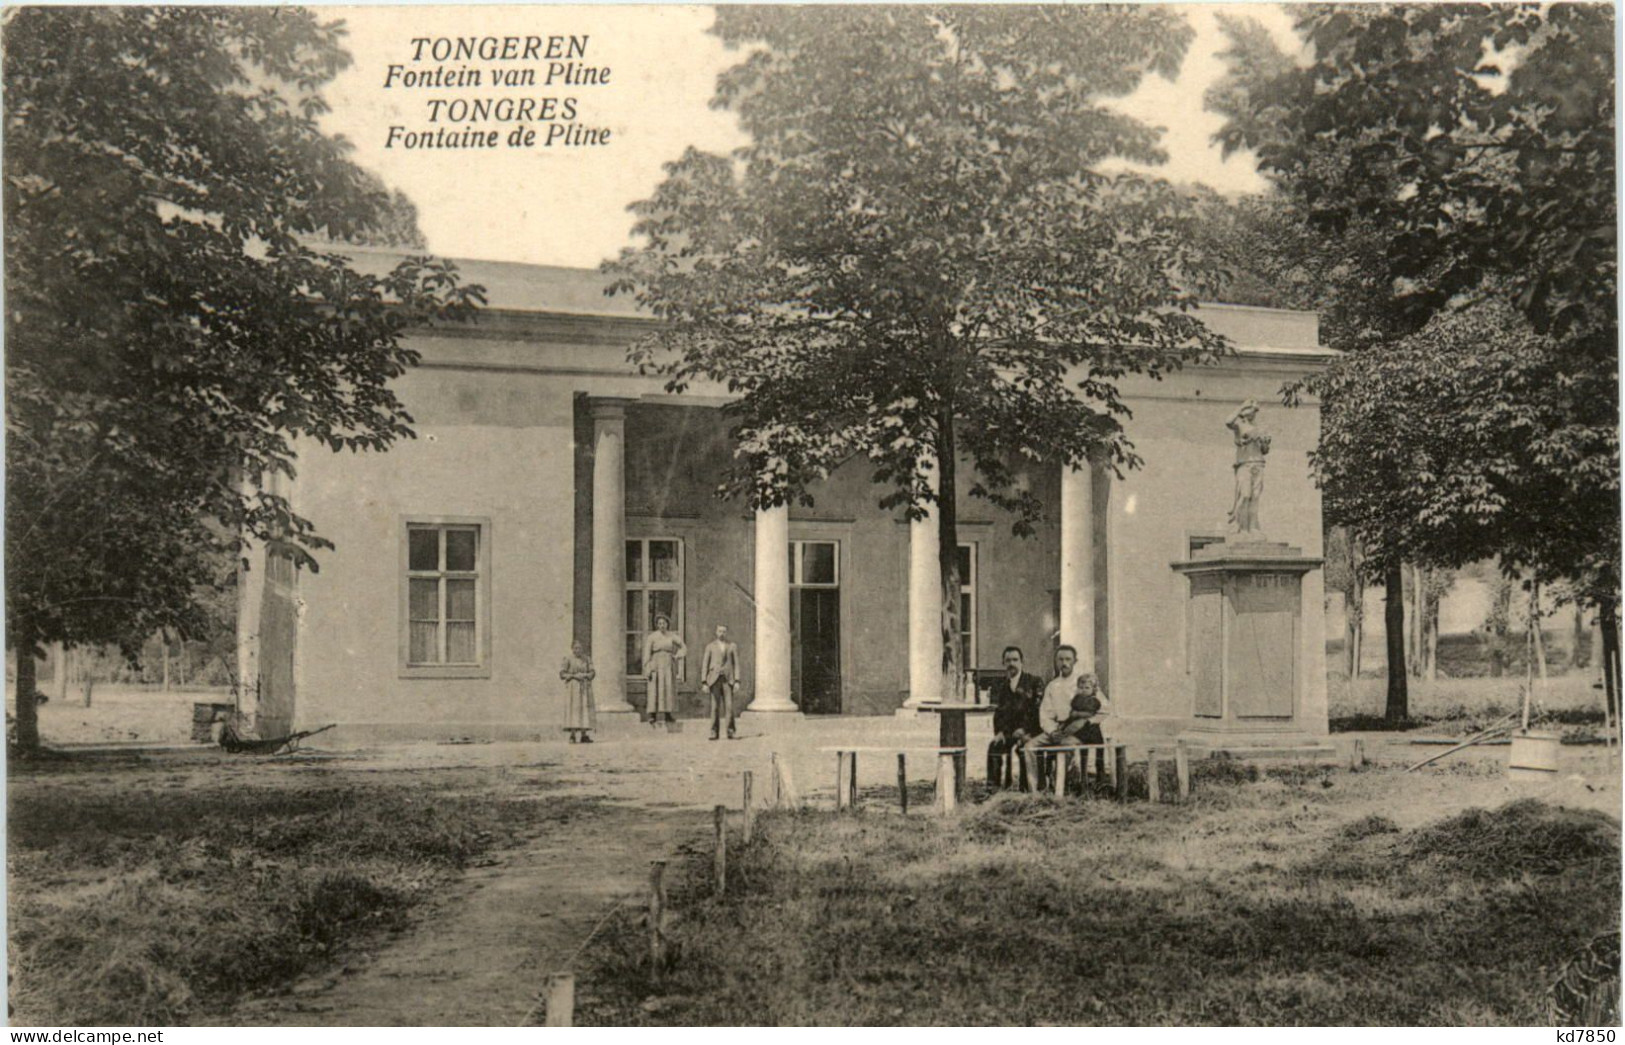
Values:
[(480, 955)]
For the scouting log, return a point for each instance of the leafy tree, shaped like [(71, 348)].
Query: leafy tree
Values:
[(169, 332), (917, 260), (1461, 157)]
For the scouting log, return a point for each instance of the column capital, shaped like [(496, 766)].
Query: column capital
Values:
[(608, 408)]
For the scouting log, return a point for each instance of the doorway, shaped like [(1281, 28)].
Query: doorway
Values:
[(815, 626)]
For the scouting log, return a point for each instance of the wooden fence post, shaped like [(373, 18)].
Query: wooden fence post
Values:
[(840, 781), (1153, 786), (775, 793), (852, 792), (902, 781), (721, 815), (561, 1000), (945, 782), (657, 918), (749, 813), (1182, 769), (1120, 771), (787, 785), (1357, 755), (1061, 766)]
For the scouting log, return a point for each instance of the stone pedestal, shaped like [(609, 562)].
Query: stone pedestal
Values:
[(1245, 621)]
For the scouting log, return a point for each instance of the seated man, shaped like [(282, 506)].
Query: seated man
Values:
[(1071, 709), (1015, 716)]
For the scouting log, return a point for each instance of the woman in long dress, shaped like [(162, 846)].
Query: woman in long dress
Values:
[(663, 657), (581, 713)]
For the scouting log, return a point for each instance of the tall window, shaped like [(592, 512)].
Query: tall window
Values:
[(967, 606), (447, 597), (654, 587)]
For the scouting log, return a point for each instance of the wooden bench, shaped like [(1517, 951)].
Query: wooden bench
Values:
[(1117, 765), (846, 773)]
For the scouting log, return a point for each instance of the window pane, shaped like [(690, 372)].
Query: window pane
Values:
[(423, 549), (461, 550), (964, 564), (663, 602), (460, 644), (964, 612), (967, 657), (634, 562), (634, 612), (425, 646), (425, 599), (460, 600), (634, 653), (663, 562), (818, 562)]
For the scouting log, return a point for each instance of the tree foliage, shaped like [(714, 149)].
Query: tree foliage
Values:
[(917, 260), (1460, 158), (170, 332)]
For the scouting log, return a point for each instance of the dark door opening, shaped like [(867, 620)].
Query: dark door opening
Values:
[(815, 627)]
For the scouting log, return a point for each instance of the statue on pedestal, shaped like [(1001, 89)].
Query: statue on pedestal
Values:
[(1252, 443)]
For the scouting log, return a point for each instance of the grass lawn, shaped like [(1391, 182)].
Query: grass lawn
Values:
[(162, 890), (1287, 896), (1563, 703)]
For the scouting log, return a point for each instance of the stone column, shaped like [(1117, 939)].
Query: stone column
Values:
[(924, 611), (1078, 564), (609, 554), (772, 595)]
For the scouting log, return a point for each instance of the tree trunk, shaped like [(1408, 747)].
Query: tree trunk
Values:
[(948, 557), (163, 637), (1359, 647), (1579, 656), (1418, 614), (1609, 621), (1433, 641), (1537, 638), (1393, 618), (27, 702), (1351, 635), (88, 685), (59, 677)]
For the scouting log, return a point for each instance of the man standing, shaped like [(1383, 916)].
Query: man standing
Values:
[(1015, 700), (719, 672)]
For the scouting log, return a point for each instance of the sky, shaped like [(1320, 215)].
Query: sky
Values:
[(567, 205)]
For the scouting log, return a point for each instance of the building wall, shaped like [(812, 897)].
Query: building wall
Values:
[(490, 444)]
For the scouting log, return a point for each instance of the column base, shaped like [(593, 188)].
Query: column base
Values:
[(1244, 743), (764, 707)]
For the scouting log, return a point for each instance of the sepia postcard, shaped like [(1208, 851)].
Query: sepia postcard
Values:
[(811, 515)]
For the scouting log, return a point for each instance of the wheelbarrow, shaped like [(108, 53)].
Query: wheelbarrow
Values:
[(240, 745)]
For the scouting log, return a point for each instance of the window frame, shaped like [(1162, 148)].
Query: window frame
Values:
[(968, 585), (483, 582), (647, 585), (798, 562)]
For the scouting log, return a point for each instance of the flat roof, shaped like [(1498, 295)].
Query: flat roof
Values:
[(522, 287)]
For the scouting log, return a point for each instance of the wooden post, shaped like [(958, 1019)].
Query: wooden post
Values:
[(561, 999), (1061, 760), (657, 918), (852, 793), (750, 814), (840, 781), (1120, 771), (721, 814), (1357, 754), (775, 791), (1152, 784), (945, 782), (1182, 769), (902, 781)]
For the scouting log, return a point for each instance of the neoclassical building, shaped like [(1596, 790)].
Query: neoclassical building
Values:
[(552, 492)]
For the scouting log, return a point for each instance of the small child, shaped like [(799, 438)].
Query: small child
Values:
[(1081, 724)]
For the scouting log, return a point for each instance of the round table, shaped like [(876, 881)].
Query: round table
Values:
[(952, 733)]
